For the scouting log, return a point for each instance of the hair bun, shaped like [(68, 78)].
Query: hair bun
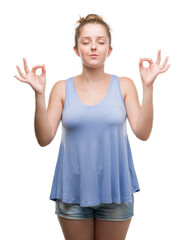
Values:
[(89, 17), (93, 16)]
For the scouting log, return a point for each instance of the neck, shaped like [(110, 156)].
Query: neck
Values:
[(93, 75)]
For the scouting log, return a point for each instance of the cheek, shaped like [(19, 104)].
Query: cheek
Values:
[(105, 51), (83, 50)]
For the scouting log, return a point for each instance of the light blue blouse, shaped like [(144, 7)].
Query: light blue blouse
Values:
[(95, 162)]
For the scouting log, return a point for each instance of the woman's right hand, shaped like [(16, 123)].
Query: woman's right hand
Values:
[(37, 82)]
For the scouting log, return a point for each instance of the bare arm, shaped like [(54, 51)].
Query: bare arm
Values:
[(41, 123), (47, 121), (141, 117), (145, 119)]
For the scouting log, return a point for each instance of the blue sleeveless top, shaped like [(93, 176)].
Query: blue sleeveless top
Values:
[(94, 163)]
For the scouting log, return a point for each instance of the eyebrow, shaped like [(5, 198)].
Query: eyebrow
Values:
[(97, 37)]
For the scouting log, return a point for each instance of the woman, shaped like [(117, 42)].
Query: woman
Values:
[(94, 179)]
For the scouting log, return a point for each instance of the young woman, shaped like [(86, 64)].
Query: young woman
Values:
[(94, 179)]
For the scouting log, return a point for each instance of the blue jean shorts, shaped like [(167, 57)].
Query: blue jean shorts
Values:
[(104, 211)]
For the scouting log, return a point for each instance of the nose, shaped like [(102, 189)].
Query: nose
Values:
[(93, 46)]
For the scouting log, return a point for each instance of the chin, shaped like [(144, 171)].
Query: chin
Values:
[(94, 65)]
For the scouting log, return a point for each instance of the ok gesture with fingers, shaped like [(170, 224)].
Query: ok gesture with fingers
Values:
[(148, 75), (37, 82)]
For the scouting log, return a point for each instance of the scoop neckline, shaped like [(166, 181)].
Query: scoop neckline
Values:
[(95, 105)]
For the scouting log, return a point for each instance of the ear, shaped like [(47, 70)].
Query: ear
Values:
[(76, 51), (109, 52)]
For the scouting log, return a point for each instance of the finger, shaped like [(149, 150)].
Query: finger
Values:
[(165, 69), (36, 67), (140, 63), (20, 72), (148, 60), (22, 80), (25, 66), (158, 57), (164, 63), (43, 69)]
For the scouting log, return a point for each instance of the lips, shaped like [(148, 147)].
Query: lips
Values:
[(93, 55)]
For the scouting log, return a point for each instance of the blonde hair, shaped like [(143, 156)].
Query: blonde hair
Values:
[(91, 18)]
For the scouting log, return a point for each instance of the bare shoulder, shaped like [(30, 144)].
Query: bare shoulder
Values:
[(59, 89), (60, 84), (126, 81), (126, 84)]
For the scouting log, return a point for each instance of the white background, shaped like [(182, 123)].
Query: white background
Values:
[(43, 32)]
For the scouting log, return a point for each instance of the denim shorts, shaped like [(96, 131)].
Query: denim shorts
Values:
[(104, 211)]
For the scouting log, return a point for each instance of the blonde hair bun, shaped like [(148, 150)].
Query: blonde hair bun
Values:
[(89, 17)]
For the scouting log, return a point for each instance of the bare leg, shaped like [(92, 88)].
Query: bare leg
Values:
[(77, 229), (109, 230)]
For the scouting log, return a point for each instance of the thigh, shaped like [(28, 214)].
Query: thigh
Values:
[(76, 222), (113, 220), (109, 230), (77, 229)]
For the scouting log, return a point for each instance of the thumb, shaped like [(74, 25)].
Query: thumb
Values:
[(36, 67), (140, 63), (43, 69)]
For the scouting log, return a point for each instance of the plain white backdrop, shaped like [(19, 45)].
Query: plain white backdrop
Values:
[(43, 32)]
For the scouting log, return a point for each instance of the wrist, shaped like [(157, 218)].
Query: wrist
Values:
[(147, 87), (39, 95)]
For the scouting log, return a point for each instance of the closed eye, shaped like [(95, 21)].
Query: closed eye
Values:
[(99, 42)]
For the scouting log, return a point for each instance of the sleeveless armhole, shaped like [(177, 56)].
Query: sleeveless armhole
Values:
[(121, 94), (66, 94), (64, 105)]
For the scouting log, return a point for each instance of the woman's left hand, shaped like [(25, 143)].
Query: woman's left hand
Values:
[(148, 75)]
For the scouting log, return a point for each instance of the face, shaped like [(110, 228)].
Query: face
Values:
[(93, 39)]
